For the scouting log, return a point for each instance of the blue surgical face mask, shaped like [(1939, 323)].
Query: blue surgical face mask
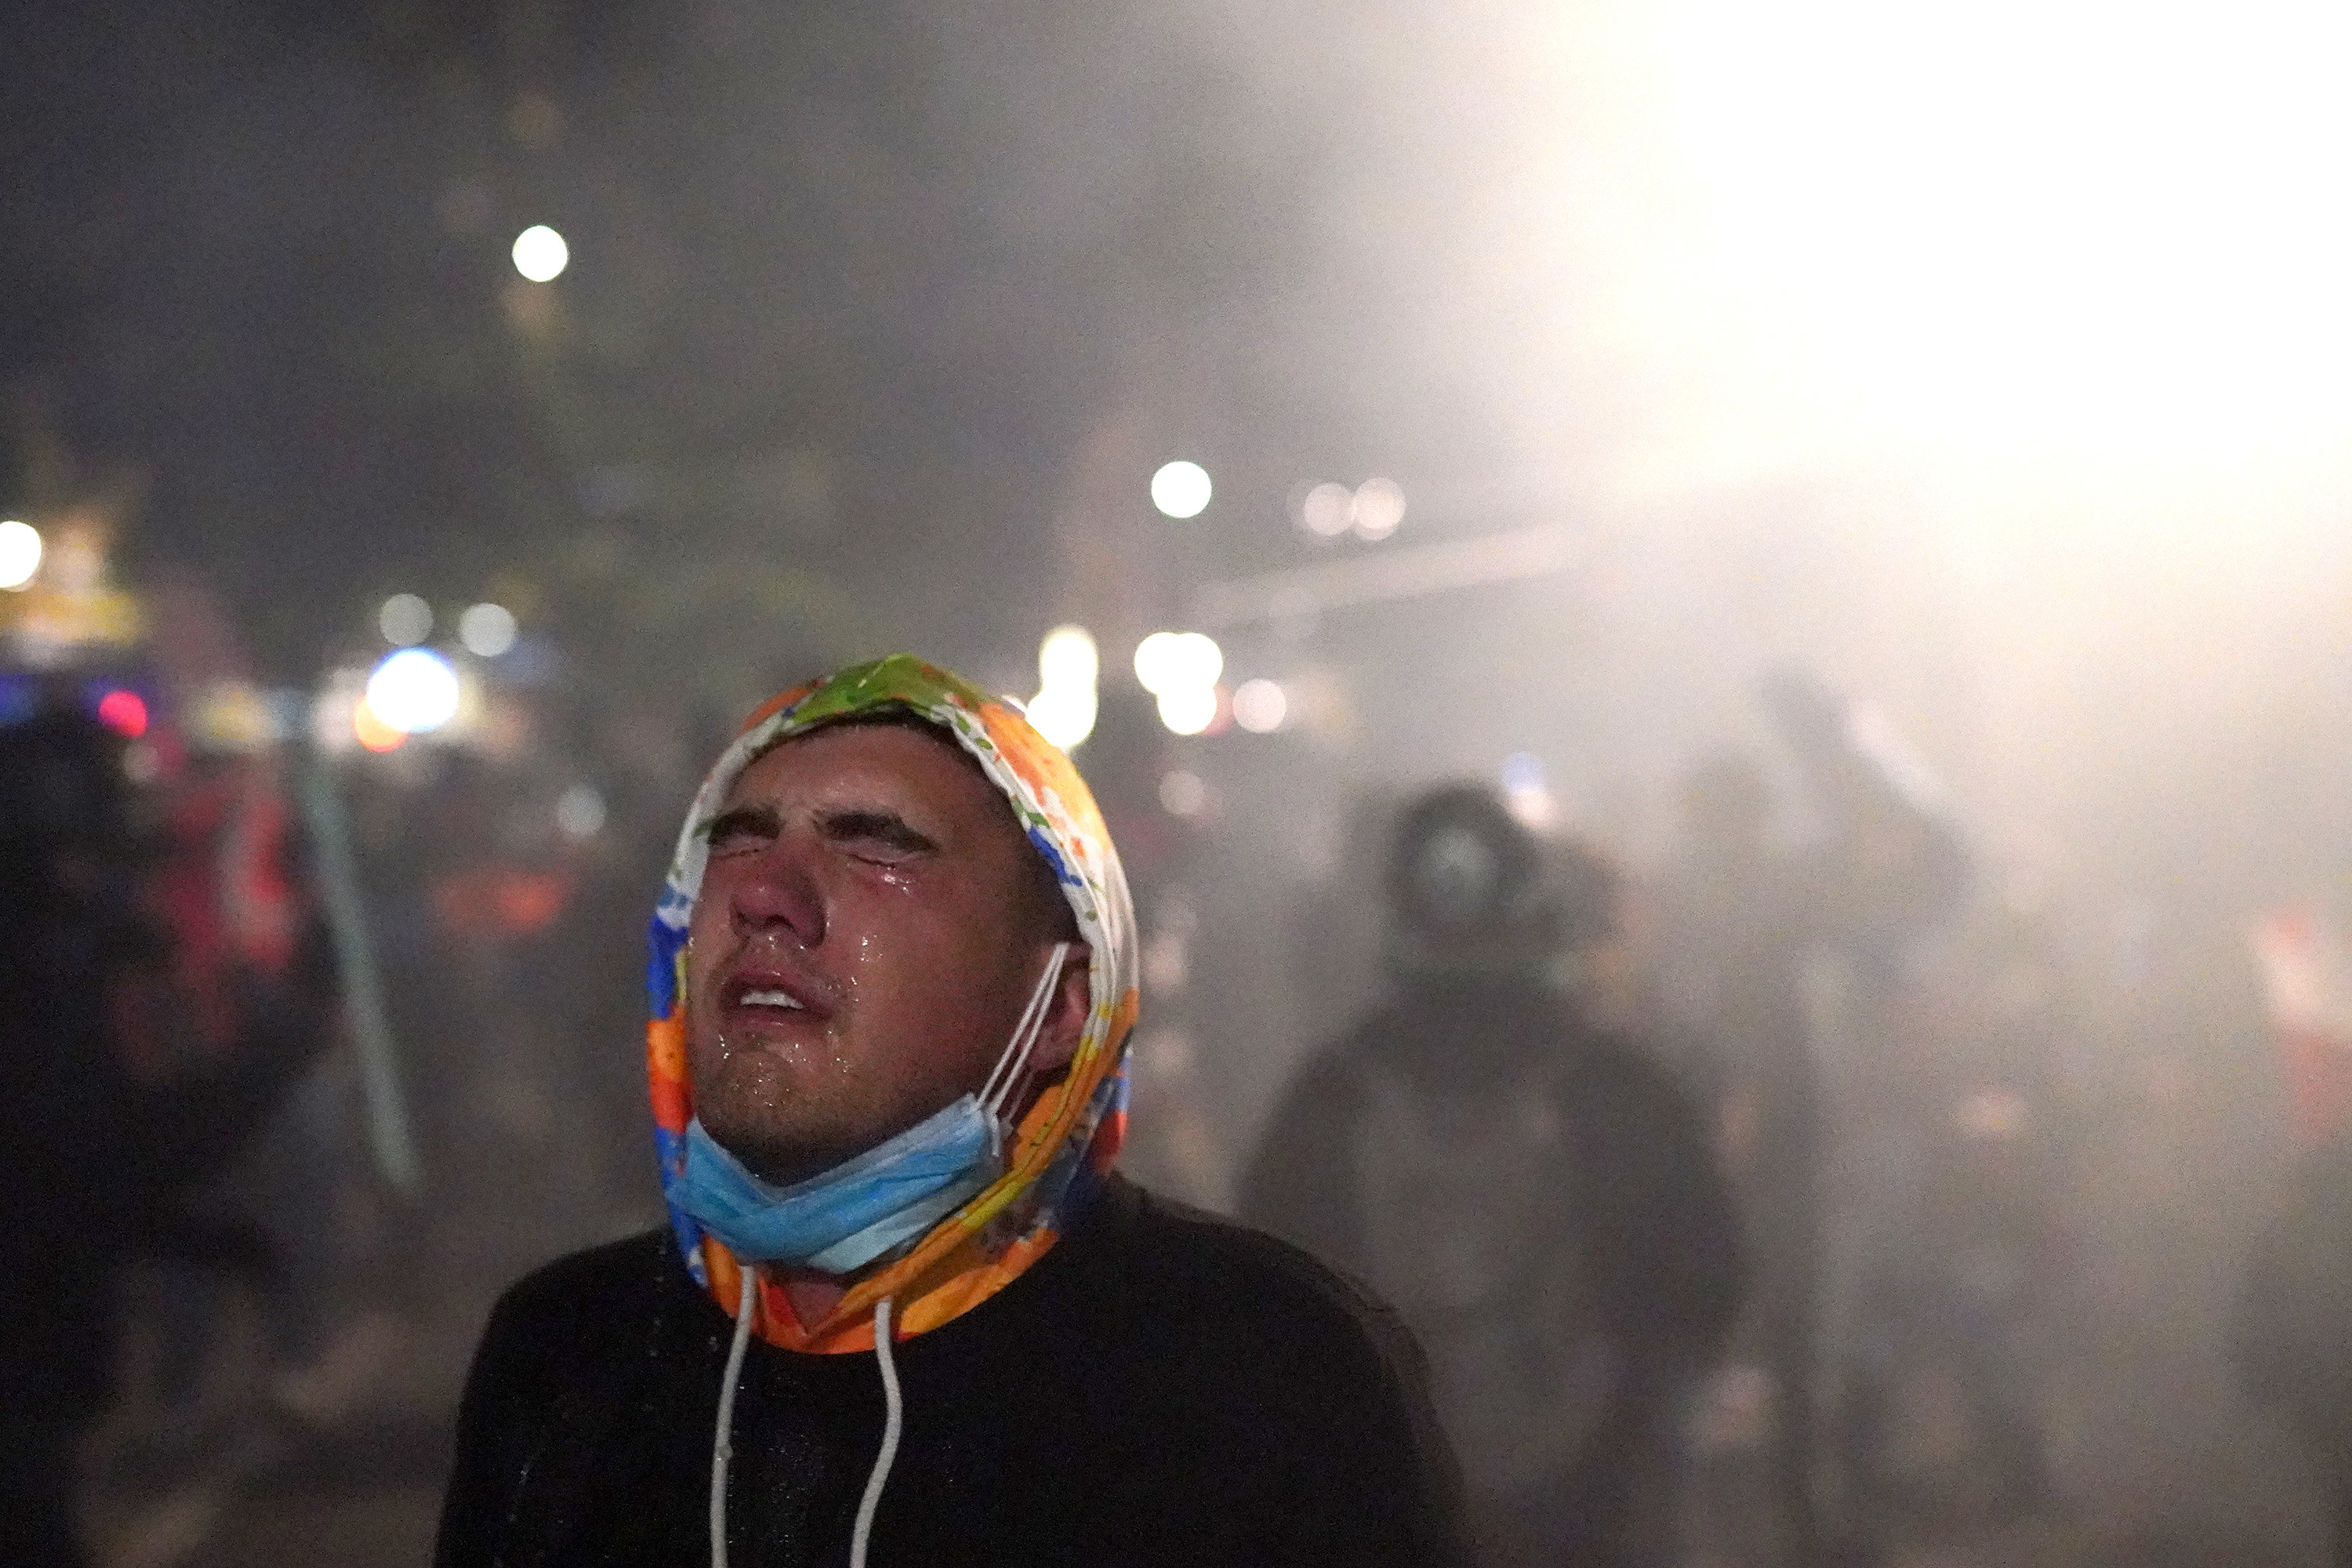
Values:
[(887, 1198)]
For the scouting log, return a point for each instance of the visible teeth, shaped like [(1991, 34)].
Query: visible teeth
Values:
[(768, 999)]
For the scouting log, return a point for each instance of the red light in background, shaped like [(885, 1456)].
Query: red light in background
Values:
[(124, 713)]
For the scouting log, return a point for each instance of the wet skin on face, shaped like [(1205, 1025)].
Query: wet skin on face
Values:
[(869, 931)]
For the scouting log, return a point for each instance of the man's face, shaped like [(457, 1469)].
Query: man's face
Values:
[(865, 938)]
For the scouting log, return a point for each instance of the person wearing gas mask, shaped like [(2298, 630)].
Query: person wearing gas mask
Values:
[(1537, 1197), (906, 1313)]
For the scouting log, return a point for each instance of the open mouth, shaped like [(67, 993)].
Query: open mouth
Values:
[(771, 998)]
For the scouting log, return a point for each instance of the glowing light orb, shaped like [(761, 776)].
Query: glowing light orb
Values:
[(373, 732), (1378, 507), (1068, 664), (404, 619), (1328, 511), (541, 255), (414, 691), (1063, 714), (1178, 662), (486, 630), (580, 812), (124, 712), (20, 554), (1188, 710), (1182, 793), (1181, 489), (1067, 656), (1260, 706)]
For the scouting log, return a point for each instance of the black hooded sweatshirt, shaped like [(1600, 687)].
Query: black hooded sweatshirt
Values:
[(1162, 1387)]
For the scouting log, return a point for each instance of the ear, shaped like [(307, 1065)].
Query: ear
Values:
[(1066, 1015)]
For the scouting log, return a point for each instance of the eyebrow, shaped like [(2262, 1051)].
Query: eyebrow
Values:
[(754, 819), (879, 827), (869, 824)]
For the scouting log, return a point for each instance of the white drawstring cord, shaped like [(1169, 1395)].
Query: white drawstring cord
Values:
[(722, 1449), (996, 1095), (893, 1423)]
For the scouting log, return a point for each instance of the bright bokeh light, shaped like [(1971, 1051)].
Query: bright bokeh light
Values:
[(1178, 662), (1181, 489), (373, 732), (1328, 511), (1378, 506), (414, 690), (1182, 793), (580, 812), (124, 711), (1067, 656), (1188, 710), (1260, 706), (2075, 232), (405, 619), (1522, 771), (1063, 714), (1526, 793), (486, 630), (1068, 665), (541, 255), (20, 554)]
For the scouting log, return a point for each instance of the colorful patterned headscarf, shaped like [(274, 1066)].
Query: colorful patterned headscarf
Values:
[(1069, 1138)]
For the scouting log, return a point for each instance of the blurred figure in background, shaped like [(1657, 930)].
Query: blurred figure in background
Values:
[(1941, 1414), (1536, 1197), (155, 998), (1740, 918), (2294, 1312), (2295, 1328)]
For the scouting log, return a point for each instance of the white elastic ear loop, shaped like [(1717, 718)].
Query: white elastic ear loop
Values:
[(723, 1447), (894, 1423), (996, 1094)]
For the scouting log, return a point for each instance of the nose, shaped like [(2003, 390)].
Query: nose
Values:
[(777, 894)]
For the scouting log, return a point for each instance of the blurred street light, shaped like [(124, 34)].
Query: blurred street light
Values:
[(580, 812), (1181, 489), (373, 732), (1177, 662), (1260, 706), (414, 691), (405, 619), (1328, 511), (1068, 665), (541, 255), (1182, 793), (1373, 509), (124, 711), (1378, 507), (1063, 714), (1188, 710), (1181, 668), (1067, 656), (486, 630), (20, 554), (1526, 793)]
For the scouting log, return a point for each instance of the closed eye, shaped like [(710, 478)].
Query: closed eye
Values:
[(879, 835)]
